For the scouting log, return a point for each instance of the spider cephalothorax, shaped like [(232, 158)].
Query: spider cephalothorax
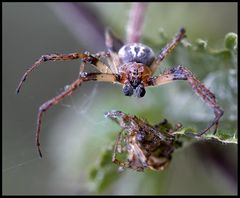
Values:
[(131, 65), (135, 60), (134, 76)]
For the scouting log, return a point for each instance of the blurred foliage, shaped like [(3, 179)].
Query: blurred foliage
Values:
[(103, 174)]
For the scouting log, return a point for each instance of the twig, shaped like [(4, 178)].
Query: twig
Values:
[(135, 23)]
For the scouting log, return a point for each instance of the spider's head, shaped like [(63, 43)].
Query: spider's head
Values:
[(136, 59), (136, 76)]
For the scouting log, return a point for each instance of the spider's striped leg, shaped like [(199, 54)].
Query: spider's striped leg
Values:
[(113, 44), (118, 148), (167, 49), (181, 73), (47, 105), (85, 57)]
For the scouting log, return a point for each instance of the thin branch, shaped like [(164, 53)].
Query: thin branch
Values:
[(135, 23)]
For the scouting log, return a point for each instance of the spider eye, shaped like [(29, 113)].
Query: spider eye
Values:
[(140, 91), (128, 90)]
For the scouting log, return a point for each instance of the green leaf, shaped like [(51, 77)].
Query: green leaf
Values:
[(104, 172), (231, 41), (201, 44), (220, 136)]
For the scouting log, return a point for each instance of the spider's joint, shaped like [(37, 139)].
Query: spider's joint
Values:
[(182, 30), (44, 106), (83, 74), (118, 77), (152, 80), (218, 111), (179, 73), (44, 58), (87, 53)]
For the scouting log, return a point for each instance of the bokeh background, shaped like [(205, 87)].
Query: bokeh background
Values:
[(75, 132)]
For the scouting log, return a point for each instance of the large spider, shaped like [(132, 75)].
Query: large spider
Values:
[(132, 66)]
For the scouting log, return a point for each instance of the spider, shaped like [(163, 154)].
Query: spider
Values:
[(132, 66), (147, 146)]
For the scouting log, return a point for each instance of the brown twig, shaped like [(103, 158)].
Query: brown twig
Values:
[(135, 23)]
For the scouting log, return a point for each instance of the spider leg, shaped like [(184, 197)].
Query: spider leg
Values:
[(47, 105), (85, 57), (182, 73), (167, 49), (118, 149), (116, 116), (81, 68), (113, 44)]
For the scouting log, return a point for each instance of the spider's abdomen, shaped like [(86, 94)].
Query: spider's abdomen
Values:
[(136, 52)]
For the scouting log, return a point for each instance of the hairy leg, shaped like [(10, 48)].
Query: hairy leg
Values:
[(182, 73), (86, 57), (118, 149), (47, 105), (167, 49), (113, 44)]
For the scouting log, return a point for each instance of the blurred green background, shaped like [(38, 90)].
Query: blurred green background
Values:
[(75, 132)]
